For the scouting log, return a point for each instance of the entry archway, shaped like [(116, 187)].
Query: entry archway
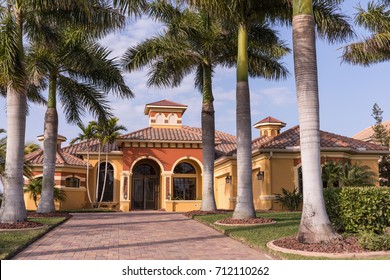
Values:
[(145, 185)]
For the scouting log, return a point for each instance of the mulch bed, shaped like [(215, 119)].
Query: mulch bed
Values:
[(30, 224), (253, 221), (346, 245), (199, 212)]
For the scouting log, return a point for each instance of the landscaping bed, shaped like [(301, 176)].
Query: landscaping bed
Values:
[(346, 245), (32, 224)]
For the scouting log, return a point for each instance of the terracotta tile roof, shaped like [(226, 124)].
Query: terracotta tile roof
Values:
[(290, 138), (269, 119), (183, 134), (92, 146), (166, 103), (256, 144), (62, 158), (224, 142), (366, 134)]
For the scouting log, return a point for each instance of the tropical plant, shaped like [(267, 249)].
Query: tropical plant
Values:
[(196, 42), (34, 188), (22, 23), (331, 172), (315, 226), (375, 48), (340, 174), (107, 132), (79, 70), (356, 175), (291, 200), (330, 24), (87, 134)]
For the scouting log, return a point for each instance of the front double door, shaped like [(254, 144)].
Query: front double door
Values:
[(145, 193)]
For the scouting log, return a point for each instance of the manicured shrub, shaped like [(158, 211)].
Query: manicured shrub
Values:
[(354, 209), (374, 242)]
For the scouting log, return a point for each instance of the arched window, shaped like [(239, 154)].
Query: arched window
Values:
[(109, 182), (72, 182), (160, 118), (184, 168), (184, 182), (172, 119), (144, 169)]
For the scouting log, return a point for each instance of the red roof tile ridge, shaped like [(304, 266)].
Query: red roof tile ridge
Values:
[(166, 102), (269, 119)]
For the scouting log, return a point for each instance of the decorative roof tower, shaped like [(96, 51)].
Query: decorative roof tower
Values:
[(165, 113), (269, 126)]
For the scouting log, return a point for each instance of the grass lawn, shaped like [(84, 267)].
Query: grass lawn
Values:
[(11, 242), (258, 236)]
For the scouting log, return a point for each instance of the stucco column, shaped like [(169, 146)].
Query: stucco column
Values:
[(125, 194), (166, 191)]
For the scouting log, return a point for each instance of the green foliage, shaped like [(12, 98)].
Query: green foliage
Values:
[(374, 242), (335, 174), (35, 189), (354, 209), (381, 136), (290, 200)]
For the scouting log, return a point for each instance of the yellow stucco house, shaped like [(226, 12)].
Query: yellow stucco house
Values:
[(160, 166)]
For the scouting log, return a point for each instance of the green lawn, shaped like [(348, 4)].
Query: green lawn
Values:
[(12, 242), (258, 236)]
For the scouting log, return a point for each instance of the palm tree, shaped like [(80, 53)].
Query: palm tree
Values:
[(194, 42), (375, 48), (330, 24), (108, 132), (315, 225), (34, 188), (82, 75), (3, 143), (22, 22), (87, 134)]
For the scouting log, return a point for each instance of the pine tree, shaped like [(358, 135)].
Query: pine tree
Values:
[(381, 136)]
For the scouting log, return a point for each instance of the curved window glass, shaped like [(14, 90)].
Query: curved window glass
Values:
[(107, 184), (184, 168), (144, 169), (184, 182), (72, 182)]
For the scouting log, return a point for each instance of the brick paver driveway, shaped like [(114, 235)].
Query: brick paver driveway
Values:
[(136, 235)]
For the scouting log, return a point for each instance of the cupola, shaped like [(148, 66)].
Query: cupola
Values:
[(60, 140), (165, 113), (269, 126)]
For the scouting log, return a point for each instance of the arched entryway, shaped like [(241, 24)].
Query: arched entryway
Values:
[(145, 186)]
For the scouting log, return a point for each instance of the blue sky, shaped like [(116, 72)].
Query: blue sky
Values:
[(347, 93)]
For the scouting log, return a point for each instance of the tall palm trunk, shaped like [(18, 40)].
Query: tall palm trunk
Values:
[(244, 207), (46, 203), (87, 175), (13, 208), (208, 142), (315, 226), (98, 175), (105, 176)]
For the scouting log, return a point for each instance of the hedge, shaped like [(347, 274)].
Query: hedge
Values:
[(354, 209)]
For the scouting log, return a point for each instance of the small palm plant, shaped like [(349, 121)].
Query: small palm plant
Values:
[(35, 189), (291, 200)]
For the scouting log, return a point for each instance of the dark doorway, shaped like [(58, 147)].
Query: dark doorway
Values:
[(145, 187)]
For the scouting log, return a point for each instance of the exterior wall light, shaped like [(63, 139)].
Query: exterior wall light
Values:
[(228, 179), (260, 175)]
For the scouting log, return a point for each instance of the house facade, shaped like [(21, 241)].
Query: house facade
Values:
[(160, 166)]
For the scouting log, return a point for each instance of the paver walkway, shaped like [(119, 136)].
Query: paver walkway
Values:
[(136, 236)]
